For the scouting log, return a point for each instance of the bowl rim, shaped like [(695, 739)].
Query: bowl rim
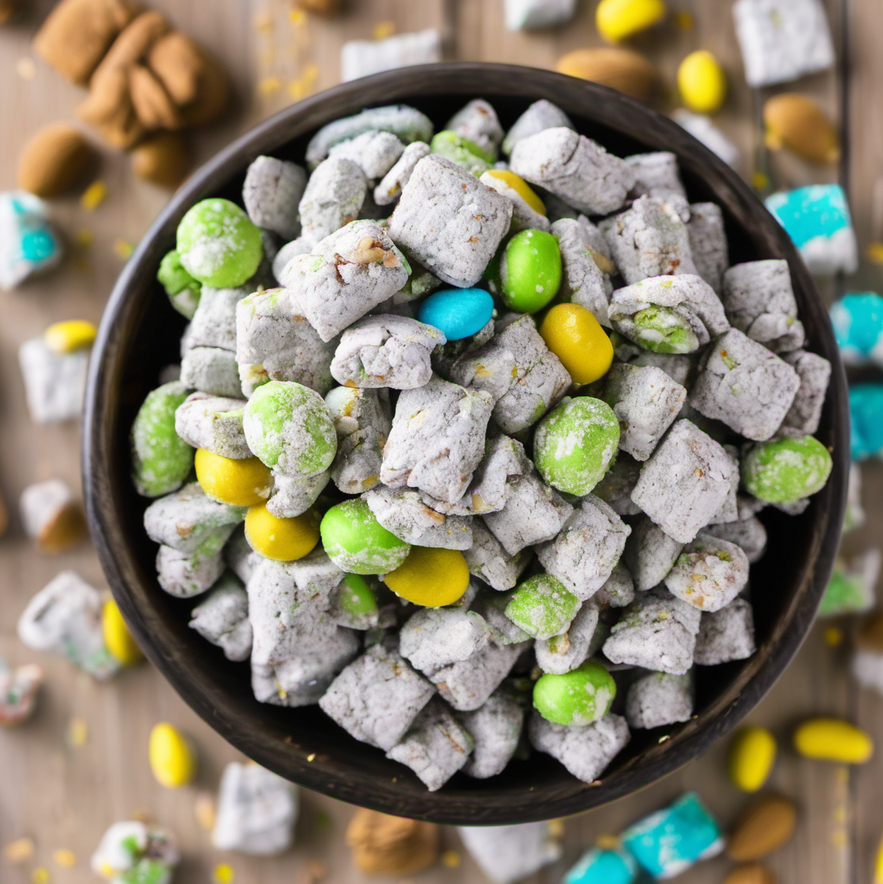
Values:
[(461, 79)]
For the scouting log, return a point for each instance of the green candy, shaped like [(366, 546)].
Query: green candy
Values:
[(289, 428), (161, 459), (786, 470), (663, 330), (356, 596), (530, 271), (576, 443), (356, 542), (462, 151), (542, 606), (183, 290), (576, 698), (218, 244)]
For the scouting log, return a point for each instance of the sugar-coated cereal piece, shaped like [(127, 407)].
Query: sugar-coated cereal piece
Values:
[(702, 128), (449, 222), (134, 851), (348, 274), (65, 617), (528, 211), (585, 552), (529, 271), (708, 242), (357, 542), (608, 863), (584, 751), (709, 573), (271, 193), (617, 592), (492, 606), (574, 168), (374, 152), (28, 242), (52, 516), (573, 334), (583, 280), (724, 635), (575, 698), (489, 562), (211, 370), (256, 811), (679, 367), (362, 422), (214, 321), (222, 618), (782, 41), (649, 239), (650, 554), (477, 121), (786, 470), (55, 383), (495, 728), (437, 439), (354, 603), (457, 313), (333, 197), (377, 697), (542, 606), (657, 631), (507, 853), (817, 219), (213, 423), (540, 115), (805, 413), (858, 327), (404, 513), (218, 244), (569, 649), (386, 351), (748, 534), (538, 13), (657, 175), (359, 58), (293, 495), (615, 488), (286, 254), (391, 185), (18, 691), (183, 290), (671, 840), (685, 482), (518, 370), (659, 698), (240, 558), (187, 574), (436, 637), (852, 586)]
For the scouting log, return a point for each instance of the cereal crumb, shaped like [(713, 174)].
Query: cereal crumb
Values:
[(40, 875), (383, 29), (123, 249), (451, 859), (84, 238), (297, 17), (77, 732), (262, 22), (204, 811), (760, 180), (833, 636), (64, 857), (18, 851), (874, 252), (323, 819), (269, 85), (684, 21), (94, 195)]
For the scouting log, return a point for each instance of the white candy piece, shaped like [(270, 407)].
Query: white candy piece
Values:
[(359, 58), (55, 383), (132, 850), (507, 853), (538, 13)]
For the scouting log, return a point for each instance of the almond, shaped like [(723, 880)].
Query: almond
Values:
[(617, 68), (153, 107), (797, 123), (765, 825), (391, 844), (753, 873), (870, 636), (53, 160), (162, 159)]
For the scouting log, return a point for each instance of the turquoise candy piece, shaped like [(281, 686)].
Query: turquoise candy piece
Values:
[(858, 327), (866, 417), (673, 839), (459, 313), (28, 244), (603, 865), (786, 470)]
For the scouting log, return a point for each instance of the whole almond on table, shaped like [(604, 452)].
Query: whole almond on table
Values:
[(620, 69), (53, 160), (391, 844), (764, 826), (162, 159), (753, 873), (798, 124)]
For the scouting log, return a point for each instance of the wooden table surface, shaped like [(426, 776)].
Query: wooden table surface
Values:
[(63, 795)]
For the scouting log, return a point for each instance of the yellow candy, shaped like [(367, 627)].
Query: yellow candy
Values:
[(878, 865), (65, 337), (430, 577), (831, 739), (237, 482), (171, 758), (618, 19), (752, 755), (281, 539), (117, 637), (702, 82), (521, 187), (574, 335)]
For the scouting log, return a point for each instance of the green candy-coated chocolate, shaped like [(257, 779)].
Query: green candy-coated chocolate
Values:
[(183, 290), (542, 606), (786, 470), (462, 151), (356, 542), (576, 443), (161, 459), (289, 428), (578, 697), (663, 330), (356, 596), (218, 243), (530, 271)]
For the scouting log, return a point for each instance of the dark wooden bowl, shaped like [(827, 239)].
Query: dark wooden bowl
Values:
[(140, 332)]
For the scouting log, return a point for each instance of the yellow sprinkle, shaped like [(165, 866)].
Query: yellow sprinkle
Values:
[(556, 828), (267, 55), (263, 22), (608, 842), (684, 21), (874, 252), (297, 89), (40, 875), (383, 29), (311, 756), (833, 636), (77, 732), (66, 337), (106, 870), (451, 859), (838, 838), (85, 238), (204, 810), (878, 865), (18, 851), (297, 17), (123, 249), (311, 72), (269, 85), (65, 858), (94, 195), (26, 68), (760, 180), (223, 874)]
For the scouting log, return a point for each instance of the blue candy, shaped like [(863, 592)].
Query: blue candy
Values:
[(459, 313), (602, 865), (866, 417), (817, 219), (28, 243), (671, 840), (858, 327)]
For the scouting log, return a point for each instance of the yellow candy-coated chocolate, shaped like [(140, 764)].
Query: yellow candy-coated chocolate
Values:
[(73, 334), (284, 540), (619, 19), (751, 758), (237, 482), (574, 335), (832, 739), (521, 187), (430, 577), (117, 637), (172, 760), (702, 82)]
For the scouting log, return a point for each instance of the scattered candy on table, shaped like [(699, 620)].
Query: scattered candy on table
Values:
[(702, 82), (359, 58), (765, 825), (751, 757), (620, 19), (851, 589), (608, 863), (18, 691), (865, 408), (612, 66), (797, 123), (133, 851), (52, 516), (507, 853), (28, 241), (172, 758), (55, 383), (832, 739), (538, 13), (858, 326)]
